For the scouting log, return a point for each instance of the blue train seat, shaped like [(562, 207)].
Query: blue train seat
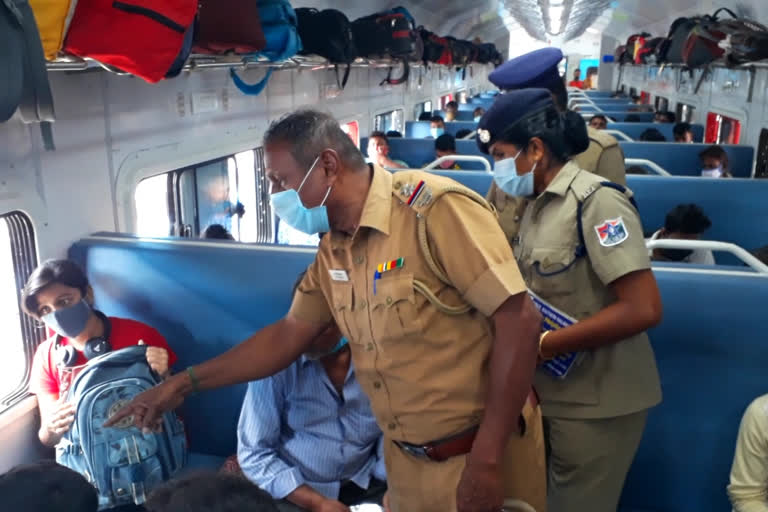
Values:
[(420, 129), (683, 159), (634, 130), (461, 115), (621, 117)]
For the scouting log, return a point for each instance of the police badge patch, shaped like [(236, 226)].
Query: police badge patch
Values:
[(611, 232)]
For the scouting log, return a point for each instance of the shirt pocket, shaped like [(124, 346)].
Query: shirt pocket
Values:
[(553, 271), (393, 308), (342, 296)]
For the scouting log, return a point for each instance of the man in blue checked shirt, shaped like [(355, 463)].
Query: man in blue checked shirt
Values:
[(307, 434)]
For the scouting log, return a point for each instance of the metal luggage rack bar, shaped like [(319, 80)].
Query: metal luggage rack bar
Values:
[(198, 61), (720, 63)]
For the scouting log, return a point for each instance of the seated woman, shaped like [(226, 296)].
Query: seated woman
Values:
[(714, 163), (58, 294), (307, 435)]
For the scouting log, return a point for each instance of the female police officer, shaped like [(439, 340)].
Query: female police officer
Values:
[(581, 250)]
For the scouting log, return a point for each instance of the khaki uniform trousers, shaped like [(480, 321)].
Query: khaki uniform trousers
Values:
[(589, 460), (418, 485)]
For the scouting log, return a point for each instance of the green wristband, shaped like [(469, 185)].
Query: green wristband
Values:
[(193, 378)]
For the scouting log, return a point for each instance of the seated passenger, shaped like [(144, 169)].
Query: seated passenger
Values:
[(463, 133), (58, 294), (477, 114), (436, 126), (749, 472), (663, 116), (210, 493), (451, 108), (445, 145), (217, 232), (577, 81), (378, 152), (46, 487), (599, 122), (307, 435), (394, 134), (684, 222), (652, 135), (425, 116), (714, 163), (683, 133)]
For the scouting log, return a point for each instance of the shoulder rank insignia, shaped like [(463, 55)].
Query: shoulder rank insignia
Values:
[(419, 195), (386, 267), (611, 232)]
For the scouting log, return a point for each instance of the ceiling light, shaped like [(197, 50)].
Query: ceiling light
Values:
[(555, 19), (593, 30)]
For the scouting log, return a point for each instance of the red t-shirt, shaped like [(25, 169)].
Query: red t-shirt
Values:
[(47, 377), (576, 83)]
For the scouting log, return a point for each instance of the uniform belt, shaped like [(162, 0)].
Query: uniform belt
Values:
[(459, 444)]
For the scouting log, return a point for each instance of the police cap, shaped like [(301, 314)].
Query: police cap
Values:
[(507, 110), (538, 68)]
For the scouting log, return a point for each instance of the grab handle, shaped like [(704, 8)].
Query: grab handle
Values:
[(711, 245)]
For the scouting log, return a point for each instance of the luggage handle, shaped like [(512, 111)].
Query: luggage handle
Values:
[(250, 89), (343, 82)]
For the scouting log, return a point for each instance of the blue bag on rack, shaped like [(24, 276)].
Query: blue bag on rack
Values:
[(280, 27)]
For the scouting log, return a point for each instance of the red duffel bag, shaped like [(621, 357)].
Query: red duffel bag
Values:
[(141, 37)]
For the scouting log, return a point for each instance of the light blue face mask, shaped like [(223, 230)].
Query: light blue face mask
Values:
[(436, 132), (288, 206), (69, 322), (477, 119), (506, 177)]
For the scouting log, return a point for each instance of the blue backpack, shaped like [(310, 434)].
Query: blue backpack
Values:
[(280, 26), (122, 463)]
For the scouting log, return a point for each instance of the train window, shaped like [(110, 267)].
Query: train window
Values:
[(152, 212), (231, 191), (444, 100), (761, 168), (420, 108), (661, 104), (632, 91), (353, 130), (722, 130), (21, 334), (461, 96), (645, 98), (685, 113), (387, 121)]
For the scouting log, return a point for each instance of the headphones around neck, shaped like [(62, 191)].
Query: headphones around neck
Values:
[(94, 347)]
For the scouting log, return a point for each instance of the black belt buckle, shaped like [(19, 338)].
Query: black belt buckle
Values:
[(416, 451)]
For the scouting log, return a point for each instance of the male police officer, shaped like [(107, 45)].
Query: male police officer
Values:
[(419, 278), (539, 69)]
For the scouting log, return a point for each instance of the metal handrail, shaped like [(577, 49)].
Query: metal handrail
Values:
[(459, 158), (711, 245), (619, 134), (648, 163)]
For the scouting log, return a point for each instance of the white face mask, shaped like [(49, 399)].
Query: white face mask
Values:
[(712, 173)]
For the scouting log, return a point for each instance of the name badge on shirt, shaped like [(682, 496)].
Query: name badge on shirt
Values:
[(339, 275)]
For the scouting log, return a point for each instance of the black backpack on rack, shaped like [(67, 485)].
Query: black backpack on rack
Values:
[(387, 34), (328, 33)]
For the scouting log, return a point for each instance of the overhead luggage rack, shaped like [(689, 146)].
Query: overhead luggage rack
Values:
[(201, 61)]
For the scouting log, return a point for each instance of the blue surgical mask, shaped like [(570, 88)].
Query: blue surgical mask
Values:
[(288, 206), (477, 119), (436, 132), (69, 322), (506, 177)]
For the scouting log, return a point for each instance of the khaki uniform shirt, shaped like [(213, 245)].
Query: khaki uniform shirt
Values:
[(603, 157), (613, 380), (426, 372)]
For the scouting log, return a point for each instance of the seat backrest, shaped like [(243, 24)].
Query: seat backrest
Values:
[(634, 130), (461, 115), (683, 159), (419, 152), (711, 355), (204, 298), (599, 94), (420, 129), (620, 117)]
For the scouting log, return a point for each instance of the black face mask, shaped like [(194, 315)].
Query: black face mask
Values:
[(675, 254)]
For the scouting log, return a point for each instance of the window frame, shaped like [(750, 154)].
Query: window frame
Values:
[(712, 115), (385, 111), (21, 232)]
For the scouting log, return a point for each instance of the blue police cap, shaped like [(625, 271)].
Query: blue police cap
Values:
[(507, 110), (535, 69)]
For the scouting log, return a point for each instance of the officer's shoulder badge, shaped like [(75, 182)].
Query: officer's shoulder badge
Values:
[(612, 232), (484, 136)]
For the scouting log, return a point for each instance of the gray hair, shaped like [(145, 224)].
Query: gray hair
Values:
[(308, 132)]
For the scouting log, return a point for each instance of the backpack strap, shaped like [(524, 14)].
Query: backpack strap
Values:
[(397, 81), (250, 89), (420, 195)]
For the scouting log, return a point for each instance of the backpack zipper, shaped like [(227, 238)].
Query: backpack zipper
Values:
[(149, 13)]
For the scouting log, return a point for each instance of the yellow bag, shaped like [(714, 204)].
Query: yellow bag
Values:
[(53, 17)]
